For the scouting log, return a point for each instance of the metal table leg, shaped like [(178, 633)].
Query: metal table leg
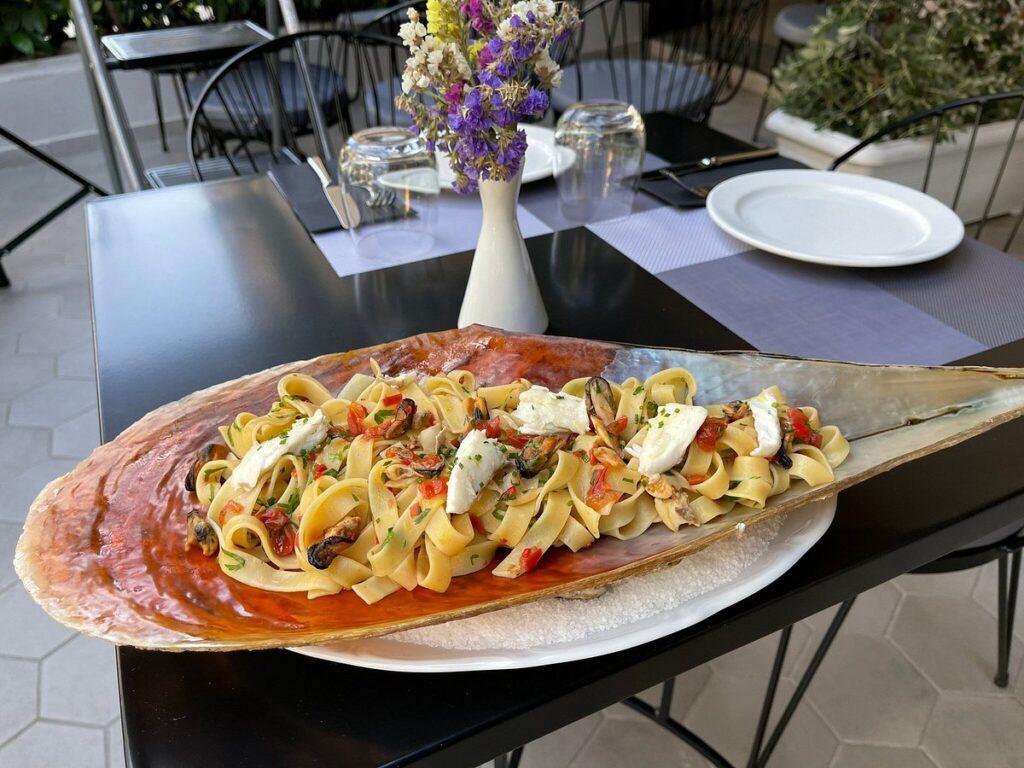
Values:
[(758, 755), (86, 187)]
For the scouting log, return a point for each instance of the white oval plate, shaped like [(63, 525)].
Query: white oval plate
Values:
[(834, 218), (799, 532), (541, 153)]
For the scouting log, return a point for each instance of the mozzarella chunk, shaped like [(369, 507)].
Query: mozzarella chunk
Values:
[(476, 461), (766, 422), (669, 433), (541, 412), (302, 435)]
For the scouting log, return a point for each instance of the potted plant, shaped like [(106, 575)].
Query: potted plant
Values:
[(871, 62)]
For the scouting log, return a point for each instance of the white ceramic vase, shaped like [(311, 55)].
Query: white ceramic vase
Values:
[(502, 290)]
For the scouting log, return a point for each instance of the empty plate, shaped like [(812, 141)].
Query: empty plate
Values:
[(834, 218)]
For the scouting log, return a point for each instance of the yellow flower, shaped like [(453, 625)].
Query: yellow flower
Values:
[(443, 20), (433, 17), (475, 49)]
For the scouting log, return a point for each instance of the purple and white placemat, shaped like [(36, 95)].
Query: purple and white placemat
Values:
[(925, 314)]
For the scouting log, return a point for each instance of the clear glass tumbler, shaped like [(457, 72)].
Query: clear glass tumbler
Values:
[(394, 178), (598, 179)]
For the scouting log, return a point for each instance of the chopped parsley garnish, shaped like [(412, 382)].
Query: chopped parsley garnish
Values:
[(213, 492), (207, 473), (639, 390), (473, 558), (283, 437), (499, 511), (238, 561), (389, 537), (383, 415)]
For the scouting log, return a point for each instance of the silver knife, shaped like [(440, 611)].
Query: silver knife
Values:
[(344, 205), (706, 163)]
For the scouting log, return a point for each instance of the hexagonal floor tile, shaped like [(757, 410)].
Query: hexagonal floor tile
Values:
[(986, 593), (78, 437), (52, 403), (557, 749), (79, 683), (866, 756), (726, 713), (871, 614), (951, 639), (956, 583), (9, 533), (30, 632), (52, 744), (27, 483), (755, 659), (53, 335), (115, 745), (618, 742), (17, 695), (22, 309), (685, 692), (969, 730), (868, 692), (20, 373), (79, 362)]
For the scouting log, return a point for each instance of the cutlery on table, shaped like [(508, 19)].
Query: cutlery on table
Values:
[(706, 163), (341, 200)]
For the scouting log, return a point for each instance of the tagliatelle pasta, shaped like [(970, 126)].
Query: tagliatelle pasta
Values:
[(400, 483)]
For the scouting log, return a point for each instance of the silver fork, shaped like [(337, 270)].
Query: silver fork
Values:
[(701, 190), (380, 197)]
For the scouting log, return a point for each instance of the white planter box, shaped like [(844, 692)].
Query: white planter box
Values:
[(904, 161)]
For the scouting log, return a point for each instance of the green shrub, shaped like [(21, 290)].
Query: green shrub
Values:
[(871, 62), (30, 27)]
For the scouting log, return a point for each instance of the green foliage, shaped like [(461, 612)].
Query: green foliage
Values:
[(30, 27), (871, 62)]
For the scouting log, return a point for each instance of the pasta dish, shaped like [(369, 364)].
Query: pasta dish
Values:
[(405, 482)]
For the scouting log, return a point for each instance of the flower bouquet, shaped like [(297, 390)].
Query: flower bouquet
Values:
[(474, 71)]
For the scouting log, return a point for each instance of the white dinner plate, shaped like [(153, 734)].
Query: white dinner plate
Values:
[(799, 532), (541, 154), (829, 217)]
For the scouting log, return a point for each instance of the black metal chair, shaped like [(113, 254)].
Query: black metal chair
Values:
[(273, 103), (383, 59), (658, 55), (964, 120), (968, 116)]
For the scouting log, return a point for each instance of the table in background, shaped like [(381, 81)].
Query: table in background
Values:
[(267, 296)]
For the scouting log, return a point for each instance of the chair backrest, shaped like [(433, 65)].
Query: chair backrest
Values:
[(660, 55), (382, 63), (982, 159), (273, 102)]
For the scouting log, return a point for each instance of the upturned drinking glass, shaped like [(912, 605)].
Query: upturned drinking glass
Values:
[(598, 179), (394, 176)]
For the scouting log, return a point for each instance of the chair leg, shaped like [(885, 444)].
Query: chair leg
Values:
[(511, 760), (4, 281), (154, 81), (764, 99), (1008, 585)]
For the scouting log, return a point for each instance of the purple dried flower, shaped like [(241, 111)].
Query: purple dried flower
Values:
[(535, 103), (489, 79), (523, 49)]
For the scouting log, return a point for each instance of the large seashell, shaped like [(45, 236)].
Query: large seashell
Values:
[(101, 550)]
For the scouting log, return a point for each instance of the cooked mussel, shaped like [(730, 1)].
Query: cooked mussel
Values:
[(538, 453), (335, 540), (736, 410), (400, 423), (199, 533), (211, 452), (600, 400), (476, 409)]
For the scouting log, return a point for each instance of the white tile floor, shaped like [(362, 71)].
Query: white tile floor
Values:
[(908, 682)]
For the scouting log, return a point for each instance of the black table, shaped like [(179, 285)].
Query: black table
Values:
[(197, 284), (159, 48)]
